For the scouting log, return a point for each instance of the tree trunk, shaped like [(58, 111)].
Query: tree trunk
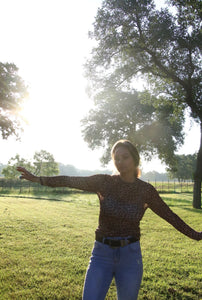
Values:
[(198, 177)]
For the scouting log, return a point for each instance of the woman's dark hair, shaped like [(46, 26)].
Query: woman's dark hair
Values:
[(132, 149)]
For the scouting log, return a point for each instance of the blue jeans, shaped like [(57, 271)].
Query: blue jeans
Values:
[(123, 263)]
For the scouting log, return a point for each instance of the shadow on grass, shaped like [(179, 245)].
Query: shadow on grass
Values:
[(175, 192), (181, 203), (177, 201), (36, 198), (59, 195), (195, 210), (47, 196)]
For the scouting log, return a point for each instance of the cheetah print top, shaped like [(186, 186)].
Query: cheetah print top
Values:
[(122, 204)]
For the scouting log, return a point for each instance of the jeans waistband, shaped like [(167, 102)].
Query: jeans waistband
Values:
[(115, 243)]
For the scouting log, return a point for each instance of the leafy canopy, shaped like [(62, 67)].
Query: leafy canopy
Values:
[(12, 93), (185, 167), (133, 116), (134, 39), (45, 164), (42, 164)]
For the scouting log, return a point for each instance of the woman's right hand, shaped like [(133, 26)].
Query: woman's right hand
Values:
[(27, 175)]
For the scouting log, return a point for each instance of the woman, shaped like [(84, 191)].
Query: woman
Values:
[(123, 201)]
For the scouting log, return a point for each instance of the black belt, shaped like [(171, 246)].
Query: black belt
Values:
[(115, 243)]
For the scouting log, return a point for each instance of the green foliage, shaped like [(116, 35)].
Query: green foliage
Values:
[(10, 171), (2, 166), (45, 255), (71, 170), (189, 11), (44, 164), (185, 167), (68, 170), (12, 93), (154, 176), (134, 39), (135, 116)]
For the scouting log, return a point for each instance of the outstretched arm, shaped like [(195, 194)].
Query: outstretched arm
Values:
[(162, 209), (95, 183)]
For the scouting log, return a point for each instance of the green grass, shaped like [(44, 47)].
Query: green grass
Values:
[(45, 245)]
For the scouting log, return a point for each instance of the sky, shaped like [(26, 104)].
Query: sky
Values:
[(48, 41)]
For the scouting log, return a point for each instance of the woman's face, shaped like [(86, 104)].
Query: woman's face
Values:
[(124, 161)]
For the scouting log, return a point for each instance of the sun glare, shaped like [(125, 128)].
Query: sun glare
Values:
[(52, 115)]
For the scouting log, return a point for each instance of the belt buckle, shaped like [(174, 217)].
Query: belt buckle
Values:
[(111, 244), (108, 242), (124, 242)]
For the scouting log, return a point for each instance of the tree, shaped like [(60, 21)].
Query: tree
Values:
[(2, 166), (154, 176), (185, 166), (131, 115), (135, 39), (69, 170), (45, 164), (12, 93), (10, 171)]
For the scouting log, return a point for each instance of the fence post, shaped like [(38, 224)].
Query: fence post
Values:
[(20, 188)]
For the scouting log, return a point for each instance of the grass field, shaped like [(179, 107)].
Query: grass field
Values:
[(45, 245)]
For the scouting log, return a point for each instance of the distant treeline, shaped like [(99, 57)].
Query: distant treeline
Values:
[(2, 166), (71, 170), (155, 176)]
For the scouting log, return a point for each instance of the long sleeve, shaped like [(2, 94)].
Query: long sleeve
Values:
[(158, 206), (93, 183)]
